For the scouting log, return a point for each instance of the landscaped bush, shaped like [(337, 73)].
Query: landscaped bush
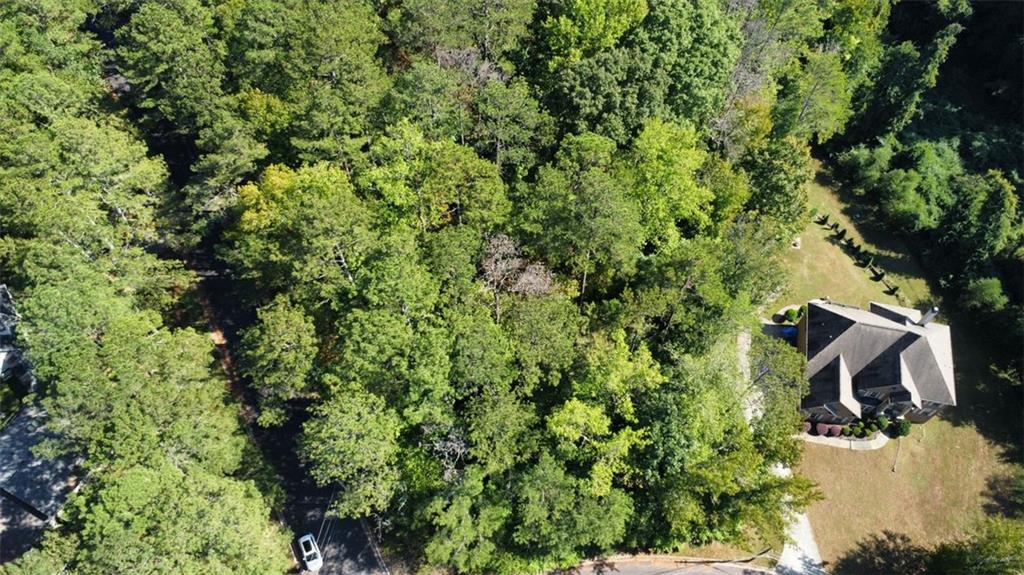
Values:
[(846, 432), (883, 422), (872, 428), (792, 315), (821, 428), (807, 427), (835, 430), (903, 429), (859, 432)]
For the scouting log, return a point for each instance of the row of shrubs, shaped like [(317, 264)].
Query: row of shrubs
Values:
[(863, 258), (861, 428)]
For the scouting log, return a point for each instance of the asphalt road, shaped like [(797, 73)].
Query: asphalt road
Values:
[(344, 543)]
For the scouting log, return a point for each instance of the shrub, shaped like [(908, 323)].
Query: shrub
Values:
[(847, 432), (984, 295), (859, 432), (807, 427), (792, 315), (835, 430), (821, 428), (883, 422), (903, 429), (872, 428)]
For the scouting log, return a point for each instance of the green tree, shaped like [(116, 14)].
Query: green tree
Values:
[(556, 515), (351, 442), (583, 433), (173, 58), (675, 65), (982, 221), (905, 74), (985, 295), (494, 28), (816, 98), (544, 331), (582, 27), (778, 172), (579, 213), (122, 389), (501, 429), (663, 163), (302, 230), (510, 126), (432, 184), (706, 479), (278, 354), (175, 521), (432, 98), (778, 382), (320, 59), (467, 522), (729, 186)]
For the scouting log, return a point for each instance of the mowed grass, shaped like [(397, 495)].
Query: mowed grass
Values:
[(940, 484), (820, 268)]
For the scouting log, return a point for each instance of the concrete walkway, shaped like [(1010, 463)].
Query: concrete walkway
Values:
[(876, 442), (800, 556)]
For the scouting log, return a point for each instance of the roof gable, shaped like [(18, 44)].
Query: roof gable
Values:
[(883, 347)]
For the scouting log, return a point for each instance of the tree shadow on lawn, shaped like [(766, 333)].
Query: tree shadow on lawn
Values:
[(884, 554), (889, 250), (990, 404), (1005, 494)]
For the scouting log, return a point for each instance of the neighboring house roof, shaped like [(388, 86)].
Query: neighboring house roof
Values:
[(41, 483), (849, 348)]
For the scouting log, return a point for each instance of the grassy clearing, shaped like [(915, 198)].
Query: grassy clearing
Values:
[(820, 268), (941, 483)]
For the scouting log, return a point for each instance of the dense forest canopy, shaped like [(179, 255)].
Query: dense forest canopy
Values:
[(496, 254)]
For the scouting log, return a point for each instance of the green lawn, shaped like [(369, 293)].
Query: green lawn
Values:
[(944, 467), (820, 268)]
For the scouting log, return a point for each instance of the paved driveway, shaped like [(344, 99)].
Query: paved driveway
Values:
[(344, 543)]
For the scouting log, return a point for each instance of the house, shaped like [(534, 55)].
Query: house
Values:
[(887, 360), (32, 488)]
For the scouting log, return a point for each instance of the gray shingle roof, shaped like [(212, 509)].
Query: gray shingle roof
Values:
[(40, 482), (880, 347)]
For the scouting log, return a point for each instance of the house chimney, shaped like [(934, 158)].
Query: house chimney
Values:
[(929, 316)]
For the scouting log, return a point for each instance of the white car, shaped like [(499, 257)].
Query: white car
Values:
[(310, 553)]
